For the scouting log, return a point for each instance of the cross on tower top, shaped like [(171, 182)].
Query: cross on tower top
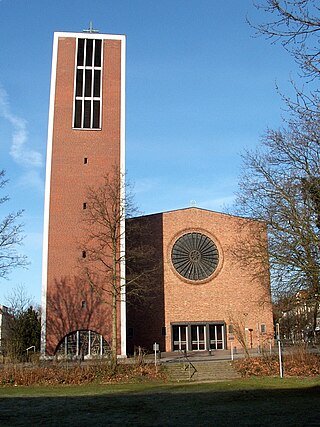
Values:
[(90, 29)]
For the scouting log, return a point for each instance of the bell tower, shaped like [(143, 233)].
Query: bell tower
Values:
[(86, 140)]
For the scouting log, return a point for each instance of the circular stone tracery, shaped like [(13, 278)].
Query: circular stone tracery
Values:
[(195, 256)]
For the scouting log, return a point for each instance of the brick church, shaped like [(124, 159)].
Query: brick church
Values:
[(209, 283)]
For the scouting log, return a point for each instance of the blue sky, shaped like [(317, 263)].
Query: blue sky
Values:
[(200, 89)]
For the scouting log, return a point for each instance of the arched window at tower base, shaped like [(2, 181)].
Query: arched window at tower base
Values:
[(84, 344)]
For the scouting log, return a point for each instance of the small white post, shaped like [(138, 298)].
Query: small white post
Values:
[(279, 349), (155, 348), (77, 343), (280, 359), (231, 349), (89, 343)]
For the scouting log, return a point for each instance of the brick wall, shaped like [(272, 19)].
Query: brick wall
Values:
[(238, 292), (70, 178)]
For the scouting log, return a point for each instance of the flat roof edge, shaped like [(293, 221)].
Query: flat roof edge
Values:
[(89, 35)]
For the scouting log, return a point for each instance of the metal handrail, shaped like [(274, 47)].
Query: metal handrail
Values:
[(187, 364)]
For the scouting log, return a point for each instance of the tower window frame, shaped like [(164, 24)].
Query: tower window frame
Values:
[(87, 106)]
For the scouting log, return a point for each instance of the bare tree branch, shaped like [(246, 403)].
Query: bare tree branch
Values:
[(108, 206), (280, 184), (296, 25), (10, 237)]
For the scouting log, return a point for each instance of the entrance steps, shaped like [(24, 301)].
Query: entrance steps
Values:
[(215, 370)]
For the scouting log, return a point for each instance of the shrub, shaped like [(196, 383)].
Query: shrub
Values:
[(76, 374), (297, 362)]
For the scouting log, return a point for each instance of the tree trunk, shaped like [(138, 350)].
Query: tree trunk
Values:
[(114, 308)]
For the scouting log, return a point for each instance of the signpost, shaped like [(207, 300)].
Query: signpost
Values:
[(156, 349), (279, 349), (231, 338)]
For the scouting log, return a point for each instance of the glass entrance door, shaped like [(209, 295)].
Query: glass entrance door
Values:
[(180, 334), (198, 337), (216, 337)]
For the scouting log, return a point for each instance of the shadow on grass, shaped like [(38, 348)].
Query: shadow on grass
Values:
[(289, 407)]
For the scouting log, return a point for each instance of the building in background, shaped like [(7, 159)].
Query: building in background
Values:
[(298, 317), (86, 137)]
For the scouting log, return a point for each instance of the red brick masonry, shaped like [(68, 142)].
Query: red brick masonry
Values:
[(237, 293)]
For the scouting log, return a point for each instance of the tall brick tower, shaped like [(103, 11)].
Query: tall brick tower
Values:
[(86, 137)]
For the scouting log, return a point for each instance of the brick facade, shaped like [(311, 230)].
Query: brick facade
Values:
[(76, 159), (163, 306), (237, 293)]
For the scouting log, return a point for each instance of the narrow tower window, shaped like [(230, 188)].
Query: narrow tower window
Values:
[(87, 96)]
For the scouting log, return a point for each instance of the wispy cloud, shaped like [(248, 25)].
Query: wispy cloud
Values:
[(146, 185), (19, 151), (31, 178)]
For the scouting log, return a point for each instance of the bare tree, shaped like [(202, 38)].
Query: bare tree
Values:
[(23, 325), (103, 255), (18, 300), (282, 177), (10, 237), (239, 331), (280, 185), (296, 25)]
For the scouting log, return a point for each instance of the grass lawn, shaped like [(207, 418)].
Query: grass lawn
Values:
[(265, 401)]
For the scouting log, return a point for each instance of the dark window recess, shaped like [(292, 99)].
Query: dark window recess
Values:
[(97, 54), (89, 52), (263, 329), (85, 160), (88, 83), (130, 332), (84, 254), (163, 331), (87, 114), (78, 114), (79, 83), (83, 304), (96, 84), (84, 205), (96, 115), (80, 55)]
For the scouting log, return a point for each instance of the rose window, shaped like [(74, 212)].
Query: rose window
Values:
[(195, 256)]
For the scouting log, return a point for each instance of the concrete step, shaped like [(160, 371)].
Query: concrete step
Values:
[(201, 371)]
